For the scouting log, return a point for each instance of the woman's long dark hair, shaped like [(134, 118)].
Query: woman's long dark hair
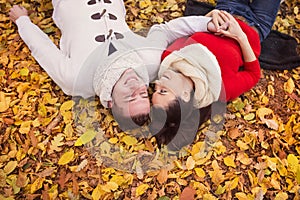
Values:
[(178, 124)]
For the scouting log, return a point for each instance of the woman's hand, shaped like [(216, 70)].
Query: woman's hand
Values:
[(233, 28), (17, 11), (217, 23)]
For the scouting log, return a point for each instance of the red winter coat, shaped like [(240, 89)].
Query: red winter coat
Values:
[(238, 76)]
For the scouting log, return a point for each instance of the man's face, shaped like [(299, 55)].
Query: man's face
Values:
[(130, 93)]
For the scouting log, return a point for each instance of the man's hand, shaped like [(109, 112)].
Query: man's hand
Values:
[(17, 11), (217, 22)]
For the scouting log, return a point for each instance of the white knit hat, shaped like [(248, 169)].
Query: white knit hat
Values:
[(110, 71), (198, 63)]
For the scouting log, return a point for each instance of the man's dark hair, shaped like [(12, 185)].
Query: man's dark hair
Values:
[(177, 126), (129, 122)]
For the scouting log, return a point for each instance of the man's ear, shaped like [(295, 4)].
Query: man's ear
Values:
[(186, 95), (109, 104)]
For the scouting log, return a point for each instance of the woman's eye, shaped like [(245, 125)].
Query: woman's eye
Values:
[(163, 91)]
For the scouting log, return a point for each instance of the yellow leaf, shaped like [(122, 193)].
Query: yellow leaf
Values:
[(271, 90), (118, 179), (209, 197), (141, 189), (241, 196), (242, 145), (42, 110), (25, 127), (275, 184), (220, 190), (110, 186), (2, 73), (186, 174), (296, 10), (197, 148), (68, 131), (293, 162), (219, 148), (200, 172), (97, 192), (281, 169), (175, 14), (229, 161), (244, 159), (298, 174), (289, 86), (262, 112), (190, 163), (11, 165), (129, 140), (144, 4), (88, 136), (4, 102), (181, 181), (66, 157), (67, 106), (281, 196), (252, 177), (231, 185), (24, 71), (113, 140), (249, 116), (38, 183), (178, 164)]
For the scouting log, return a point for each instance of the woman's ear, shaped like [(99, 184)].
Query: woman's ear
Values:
[(186, 95)]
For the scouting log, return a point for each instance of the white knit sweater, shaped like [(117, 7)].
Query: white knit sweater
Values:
[(80, 22)]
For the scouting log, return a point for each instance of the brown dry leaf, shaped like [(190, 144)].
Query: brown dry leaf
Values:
[(188, 193), (234, 133), (162, 176)]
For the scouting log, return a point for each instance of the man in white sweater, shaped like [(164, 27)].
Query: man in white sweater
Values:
[(99, 55)]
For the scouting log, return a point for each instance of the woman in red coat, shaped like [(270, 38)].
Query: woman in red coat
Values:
[(201, 69)]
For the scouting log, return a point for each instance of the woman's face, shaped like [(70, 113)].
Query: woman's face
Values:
[(168, 87)]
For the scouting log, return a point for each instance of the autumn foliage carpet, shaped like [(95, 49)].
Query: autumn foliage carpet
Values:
[(53, 146)]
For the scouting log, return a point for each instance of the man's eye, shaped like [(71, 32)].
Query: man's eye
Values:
[(144, 94)]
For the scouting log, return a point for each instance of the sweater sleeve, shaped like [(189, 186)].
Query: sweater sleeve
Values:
[(164, 34), (47, 54), (242, 81)]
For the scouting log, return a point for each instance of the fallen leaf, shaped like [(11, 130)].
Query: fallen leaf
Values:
[(66, 157), (190, 163), (10, 167), (86, 137), (162, 176), (129, 140), (141, 189), (188, 193), (289, 86), (37, 184)]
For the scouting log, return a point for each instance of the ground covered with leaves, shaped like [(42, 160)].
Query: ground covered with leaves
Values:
[(53, 146)]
